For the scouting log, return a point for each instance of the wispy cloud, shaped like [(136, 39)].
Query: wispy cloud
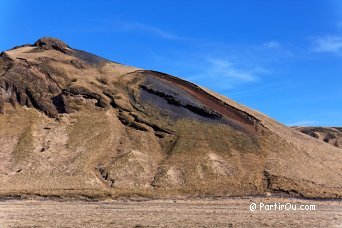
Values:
[(107, 26), (303, 123), (134, 26), (272, 45), (225, 69), (331, 44), (222, 74), (280, 85), (276, 50)]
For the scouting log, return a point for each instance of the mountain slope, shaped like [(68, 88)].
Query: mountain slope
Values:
[(75, 124)]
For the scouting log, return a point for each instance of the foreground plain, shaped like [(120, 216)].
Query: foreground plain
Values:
[(231, 212)]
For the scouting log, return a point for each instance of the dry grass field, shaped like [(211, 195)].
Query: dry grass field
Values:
[(228, 212)]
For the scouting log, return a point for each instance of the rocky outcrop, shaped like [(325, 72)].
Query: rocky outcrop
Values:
[(49, 43)]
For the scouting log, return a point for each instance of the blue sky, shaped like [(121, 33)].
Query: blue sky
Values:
[(283, 58)]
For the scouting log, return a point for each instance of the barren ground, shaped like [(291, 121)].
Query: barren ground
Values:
[(231, 212)]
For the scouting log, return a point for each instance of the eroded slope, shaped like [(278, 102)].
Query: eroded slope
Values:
[(76, 124)]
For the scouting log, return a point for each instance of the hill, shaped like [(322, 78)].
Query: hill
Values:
[(76, 125), (331, 135)]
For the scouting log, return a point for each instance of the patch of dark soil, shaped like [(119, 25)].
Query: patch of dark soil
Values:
[(89, 58), (59, 103), (87, 94), (180, 99), (129, 122), (105, 175), (208, 100), (329, 137)]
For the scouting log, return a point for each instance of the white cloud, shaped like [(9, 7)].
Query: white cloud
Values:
[(223, 68), (108, 26), (272, 45), (150, 29), (328, 44), (303, 123), (220, 73), (280, 85), (273, 50)]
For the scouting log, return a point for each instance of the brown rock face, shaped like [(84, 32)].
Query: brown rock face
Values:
[(75, 124), (49, 43)]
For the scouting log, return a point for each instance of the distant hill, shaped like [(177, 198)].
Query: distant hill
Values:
[(331, 135)]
